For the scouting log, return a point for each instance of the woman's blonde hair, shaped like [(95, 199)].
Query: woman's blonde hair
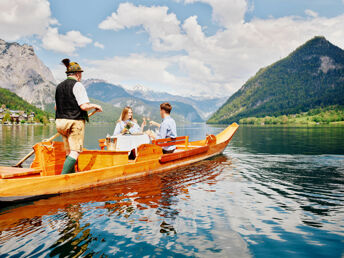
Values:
[(125, 112)]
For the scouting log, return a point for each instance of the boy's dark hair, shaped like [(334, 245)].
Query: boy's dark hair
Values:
[(167, 107)]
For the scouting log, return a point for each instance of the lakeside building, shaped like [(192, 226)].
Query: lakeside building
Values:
[(16, 116)]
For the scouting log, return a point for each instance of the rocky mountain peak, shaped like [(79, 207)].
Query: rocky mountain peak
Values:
[(22, 72), (88, 82)]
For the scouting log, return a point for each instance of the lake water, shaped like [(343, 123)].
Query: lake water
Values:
[(275, 192)]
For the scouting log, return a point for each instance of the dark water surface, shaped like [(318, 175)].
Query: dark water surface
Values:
[(275, 192)]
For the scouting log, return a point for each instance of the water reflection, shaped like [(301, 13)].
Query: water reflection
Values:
[(276, 192), (289, 200), (147, 211)]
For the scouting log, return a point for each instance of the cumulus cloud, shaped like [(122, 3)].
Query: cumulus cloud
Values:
[(25, 18), (226, 12), (311, 13), (162, 27), (64, 43), (99, 45), (20, 18), (218, 63)]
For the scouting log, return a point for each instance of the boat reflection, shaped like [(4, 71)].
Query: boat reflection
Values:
[(67, 217)]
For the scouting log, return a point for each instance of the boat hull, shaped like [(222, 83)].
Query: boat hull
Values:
[(14, 190)]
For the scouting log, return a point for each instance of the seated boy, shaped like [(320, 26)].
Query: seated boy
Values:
[(167, 129)]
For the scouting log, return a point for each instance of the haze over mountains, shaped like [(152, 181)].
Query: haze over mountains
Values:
[(23, 73), (120, 98), (146, 102), (311, 76)]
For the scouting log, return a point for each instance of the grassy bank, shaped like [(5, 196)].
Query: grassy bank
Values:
[(332, 115)]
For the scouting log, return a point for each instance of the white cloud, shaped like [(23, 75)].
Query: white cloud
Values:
[(25, 18), (20, 18), (217, 64), (133, 67), (163, 27), (66, 43), (226, 12), (99, 45), (311, 13)]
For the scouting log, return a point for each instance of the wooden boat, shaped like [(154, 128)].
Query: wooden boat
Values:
[(100, 167)]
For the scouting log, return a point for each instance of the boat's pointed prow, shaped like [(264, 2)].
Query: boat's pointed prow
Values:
[(227, 133)]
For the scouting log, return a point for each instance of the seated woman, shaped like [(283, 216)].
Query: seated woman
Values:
[(127, 121)]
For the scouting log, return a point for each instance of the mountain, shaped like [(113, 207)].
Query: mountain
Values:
[(23, 73), (204, 106), (311, 76), (106, 92), (110, 113), (142, 106), (181, 112), (14, 102)]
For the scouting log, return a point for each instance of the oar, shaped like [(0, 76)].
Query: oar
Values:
[(48, 140)]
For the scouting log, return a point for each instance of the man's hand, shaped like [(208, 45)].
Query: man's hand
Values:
[(154, 123), (89, 106), (98, 108)]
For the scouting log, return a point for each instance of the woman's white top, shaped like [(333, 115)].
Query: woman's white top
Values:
[(121, 125)]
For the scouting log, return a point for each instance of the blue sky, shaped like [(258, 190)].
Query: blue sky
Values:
[(199, 47)]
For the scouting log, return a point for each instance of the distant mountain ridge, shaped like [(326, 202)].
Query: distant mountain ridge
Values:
[(205, 106), (311, 76), (23, 73), (119, 97)]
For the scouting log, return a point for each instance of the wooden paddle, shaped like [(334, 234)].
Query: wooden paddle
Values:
[(48, 140)]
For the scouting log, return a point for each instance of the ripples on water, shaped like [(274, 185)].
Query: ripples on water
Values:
[(252, 201)]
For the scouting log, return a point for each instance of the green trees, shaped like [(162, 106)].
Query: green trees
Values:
[(12, 101), (314, 116), (6, 118), (293, 85)]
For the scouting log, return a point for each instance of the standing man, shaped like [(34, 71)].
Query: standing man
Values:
[(167, 129), (72, 104)]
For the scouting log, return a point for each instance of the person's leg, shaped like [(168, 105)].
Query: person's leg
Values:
[(66, 144), (63, 127), (67, 149), (76, 141), (69, 165)]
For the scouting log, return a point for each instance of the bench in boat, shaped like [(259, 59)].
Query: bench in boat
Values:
[(179, 153), (181, 140), (11, 172)]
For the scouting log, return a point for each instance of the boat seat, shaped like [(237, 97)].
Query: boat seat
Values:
[(181, 140), (11, 172), (177, 155)]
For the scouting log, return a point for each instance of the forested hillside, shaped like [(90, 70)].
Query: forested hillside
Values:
[(14, 102), (310, 77)]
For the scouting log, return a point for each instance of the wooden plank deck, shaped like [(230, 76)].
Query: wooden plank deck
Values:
[(10, 172)]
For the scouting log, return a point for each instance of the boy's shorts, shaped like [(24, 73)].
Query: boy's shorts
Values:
[(73, 132)]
